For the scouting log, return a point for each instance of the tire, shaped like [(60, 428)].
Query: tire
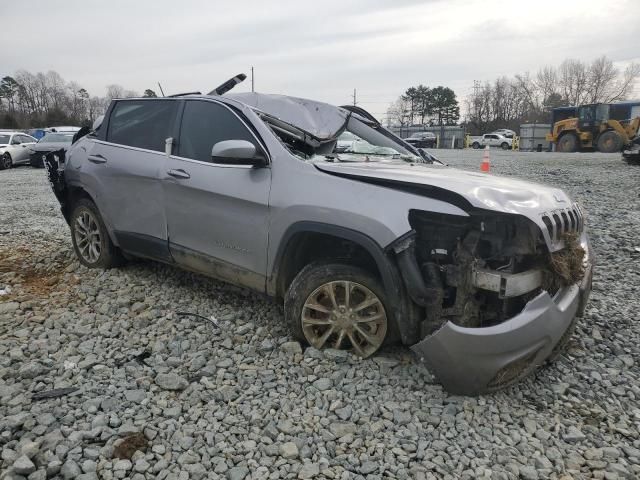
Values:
[(504, 146), (610, 142), (342, 326), (568, 143), (91, 241), (5, 162), (475, 145)]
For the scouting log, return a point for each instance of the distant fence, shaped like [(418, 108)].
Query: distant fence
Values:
[(448, 136)]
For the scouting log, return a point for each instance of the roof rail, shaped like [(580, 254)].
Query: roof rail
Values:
[(181, 94)]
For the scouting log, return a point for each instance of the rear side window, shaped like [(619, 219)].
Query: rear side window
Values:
[(206, 123), (142, 124)]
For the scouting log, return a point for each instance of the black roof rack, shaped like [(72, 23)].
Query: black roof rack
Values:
[(185, 93)]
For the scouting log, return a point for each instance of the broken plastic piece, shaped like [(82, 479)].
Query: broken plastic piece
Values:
[(55, 393)]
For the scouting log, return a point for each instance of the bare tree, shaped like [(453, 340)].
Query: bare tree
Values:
[(529, 98), (400, 112), (44, 99)]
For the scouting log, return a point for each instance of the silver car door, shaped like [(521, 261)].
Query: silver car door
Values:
[(122, 171), (217, 213), (15, 148)]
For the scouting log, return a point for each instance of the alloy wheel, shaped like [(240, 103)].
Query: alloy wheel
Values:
[(6, 161), (87, 235), (344, 314)]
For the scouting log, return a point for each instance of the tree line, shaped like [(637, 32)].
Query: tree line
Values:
[(29, 100), (529, 98), (422, 105)]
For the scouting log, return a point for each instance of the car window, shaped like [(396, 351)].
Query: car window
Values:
[(142, 123), (206, 123), (16, 140), (27, 139)]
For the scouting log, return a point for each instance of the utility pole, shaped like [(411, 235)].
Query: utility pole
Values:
[(252, 89), (354, 97)]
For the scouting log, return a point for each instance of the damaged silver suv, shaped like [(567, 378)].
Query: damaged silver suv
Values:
[(481, 276)]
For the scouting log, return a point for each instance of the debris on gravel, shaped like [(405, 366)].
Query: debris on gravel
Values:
[(149, 392)]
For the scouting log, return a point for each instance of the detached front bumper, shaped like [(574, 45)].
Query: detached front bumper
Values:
[(470, 361)]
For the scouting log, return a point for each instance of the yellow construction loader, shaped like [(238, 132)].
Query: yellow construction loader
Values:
[(593, 128)]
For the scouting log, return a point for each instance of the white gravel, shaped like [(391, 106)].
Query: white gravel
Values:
[(243, 401)]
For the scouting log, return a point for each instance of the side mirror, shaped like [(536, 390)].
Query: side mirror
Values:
[(237, 152)]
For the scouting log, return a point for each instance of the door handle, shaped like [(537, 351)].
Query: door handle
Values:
[(97, 159), (179, 173)]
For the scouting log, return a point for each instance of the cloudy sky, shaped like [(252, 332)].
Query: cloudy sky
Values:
[(320, 49)]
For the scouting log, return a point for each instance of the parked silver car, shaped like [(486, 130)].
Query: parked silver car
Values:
[(14, 148), (362, 248)]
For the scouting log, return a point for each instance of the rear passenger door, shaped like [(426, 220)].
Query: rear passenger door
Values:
[(217, 213), (123, 172)]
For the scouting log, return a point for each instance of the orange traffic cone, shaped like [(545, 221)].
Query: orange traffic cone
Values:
[(484, 166)]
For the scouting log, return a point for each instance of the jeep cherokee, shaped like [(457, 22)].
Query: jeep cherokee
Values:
[(482, 276)]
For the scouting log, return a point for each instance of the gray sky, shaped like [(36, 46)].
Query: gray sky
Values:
[(320, 50)]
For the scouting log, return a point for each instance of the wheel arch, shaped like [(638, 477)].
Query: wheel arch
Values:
[(291, 257), (77, 192)]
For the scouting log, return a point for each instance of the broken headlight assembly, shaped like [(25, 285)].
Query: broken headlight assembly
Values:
[(480, 270)]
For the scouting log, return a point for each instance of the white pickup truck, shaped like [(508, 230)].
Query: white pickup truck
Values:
[(491, 139)]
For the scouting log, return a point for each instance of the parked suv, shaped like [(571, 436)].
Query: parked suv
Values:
[(362, 248), (14, 148), (491, 140)]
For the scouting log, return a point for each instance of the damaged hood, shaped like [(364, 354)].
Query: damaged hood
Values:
[(50, 146), (489, 192), (320, 120)]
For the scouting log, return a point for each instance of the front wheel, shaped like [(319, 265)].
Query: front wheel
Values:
[(475, 145), (504, 146), (332, 305), (568, 143), (610, 142), (5, 162), (90, 238)]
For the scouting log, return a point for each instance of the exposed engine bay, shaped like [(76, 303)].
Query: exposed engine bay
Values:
[(480, 270)]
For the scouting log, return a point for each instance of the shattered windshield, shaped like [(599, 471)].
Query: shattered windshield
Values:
[(358, 142), (350, 143), (363, 142)]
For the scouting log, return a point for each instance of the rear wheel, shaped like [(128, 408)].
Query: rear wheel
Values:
[(331, 305), (610, 142), (90, 238), (568, 143), (6, 162)]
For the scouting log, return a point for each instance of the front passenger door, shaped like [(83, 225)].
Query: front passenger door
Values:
[(217, 212), (26, 142)]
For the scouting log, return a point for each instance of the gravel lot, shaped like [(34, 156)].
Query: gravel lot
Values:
[(244, 401)]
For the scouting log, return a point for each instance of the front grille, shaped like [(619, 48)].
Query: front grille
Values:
[(560, 222)]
